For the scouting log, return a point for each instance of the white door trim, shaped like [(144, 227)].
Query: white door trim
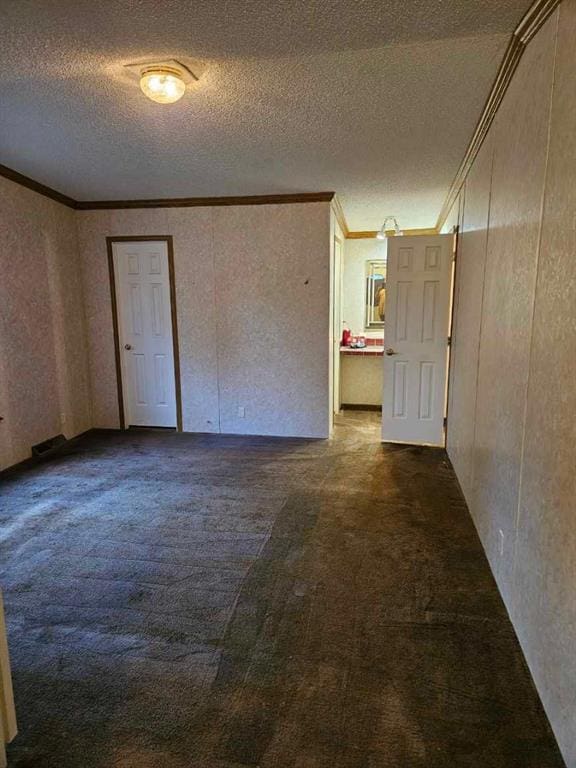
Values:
[(8, 727), (336, 322), (110, 241)]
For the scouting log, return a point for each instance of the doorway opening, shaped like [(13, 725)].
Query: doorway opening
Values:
[(143, 297), (394, 310), (363, 324)]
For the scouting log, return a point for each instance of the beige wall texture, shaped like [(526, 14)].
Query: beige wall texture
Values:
[(44, 387), (253, 308), (252, 295), (512, 411)]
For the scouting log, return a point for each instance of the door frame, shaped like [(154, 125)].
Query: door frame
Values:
[(453, 301), (114, 303), (8, 725), (337, 282)]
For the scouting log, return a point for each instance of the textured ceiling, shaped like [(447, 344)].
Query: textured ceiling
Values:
[(374, 99)]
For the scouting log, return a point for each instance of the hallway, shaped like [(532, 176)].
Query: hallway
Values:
[(179, 600)]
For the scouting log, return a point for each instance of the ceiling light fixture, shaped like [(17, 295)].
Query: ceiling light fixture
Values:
[(166, 81), (381, 234), (164, 85)]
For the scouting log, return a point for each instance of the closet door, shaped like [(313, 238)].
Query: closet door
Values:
[(142, 278)]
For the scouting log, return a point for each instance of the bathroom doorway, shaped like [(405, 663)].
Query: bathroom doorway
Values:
[(363, 316)]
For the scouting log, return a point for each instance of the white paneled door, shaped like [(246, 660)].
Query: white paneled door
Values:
[(418, 291), (142, 278)]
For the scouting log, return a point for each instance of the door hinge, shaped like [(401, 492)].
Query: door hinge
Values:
[(449, 340), (445, 421)]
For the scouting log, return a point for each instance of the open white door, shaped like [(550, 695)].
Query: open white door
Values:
[(144, 313), (418, 284)]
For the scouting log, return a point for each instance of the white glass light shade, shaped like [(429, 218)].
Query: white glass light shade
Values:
[(164, 86)]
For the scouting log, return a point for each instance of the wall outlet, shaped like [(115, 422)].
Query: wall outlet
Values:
[(241, 411), (501, 542)]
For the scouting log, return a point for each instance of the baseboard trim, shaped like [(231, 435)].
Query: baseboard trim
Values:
[(33, 461), (360, 407)]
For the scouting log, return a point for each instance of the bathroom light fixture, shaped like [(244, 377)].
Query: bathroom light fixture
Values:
[(164, 85), (381, 234), (165, 81)]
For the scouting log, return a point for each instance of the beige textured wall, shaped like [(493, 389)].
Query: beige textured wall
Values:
[(512, 424), (252, 293), (44, 386), (468, 296)]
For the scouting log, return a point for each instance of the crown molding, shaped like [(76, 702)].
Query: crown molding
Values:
[(340, 217), (36, 186), (361, 235), (174, 202), (365, 235), (370, 234), (533, 21), (193, 202), (190, 202)]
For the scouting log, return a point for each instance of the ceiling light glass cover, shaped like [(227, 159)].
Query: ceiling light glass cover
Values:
[(163, 85), (382, 233)]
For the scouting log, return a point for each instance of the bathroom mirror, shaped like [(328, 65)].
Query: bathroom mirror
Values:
[(375, 294)]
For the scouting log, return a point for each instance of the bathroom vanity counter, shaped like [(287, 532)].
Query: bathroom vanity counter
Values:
[(361, 374), (374, 347), (372, 350)]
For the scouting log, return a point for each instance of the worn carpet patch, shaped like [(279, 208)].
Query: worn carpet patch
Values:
[(218, 602)]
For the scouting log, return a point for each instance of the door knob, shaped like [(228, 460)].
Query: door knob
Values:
[(391, 351), (127, 346)]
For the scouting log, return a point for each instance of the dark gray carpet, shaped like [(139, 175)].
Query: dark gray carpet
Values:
[(219, 602)]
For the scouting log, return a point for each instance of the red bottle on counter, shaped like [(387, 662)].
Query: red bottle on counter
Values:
[(346, 337)]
